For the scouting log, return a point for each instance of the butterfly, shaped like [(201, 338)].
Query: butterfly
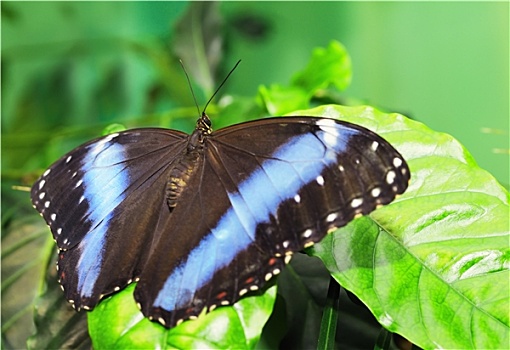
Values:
[(200, 220)]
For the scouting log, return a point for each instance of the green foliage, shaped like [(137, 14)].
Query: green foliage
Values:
[(328, 67), (113, 128), (117, 323), (432, 266)]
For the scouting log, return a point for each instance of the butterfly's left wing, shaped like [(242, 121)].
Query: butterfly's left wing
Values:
[(265, 189), (101, 201)]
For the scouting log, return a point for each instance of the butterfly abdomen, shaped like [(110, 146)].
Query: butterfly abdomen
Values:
[(180, 174)]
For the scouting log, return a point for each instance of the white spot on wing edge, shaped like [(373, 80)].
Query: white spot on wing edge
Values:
[(376, 192), (46, 172), (356, 202), (374, 146), (69, 159), (307, 233), (297, 198), (41, 184), (101, 143), (390, 177), (397, 162), (111, 137), (320, 180), (331, 217), (78, 184), (331, 132)]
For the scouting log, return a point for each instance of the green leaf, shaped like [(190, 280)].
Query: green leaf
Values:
[(328, 66), (432, 266), (279, 100), (110, 129), (117, 323)]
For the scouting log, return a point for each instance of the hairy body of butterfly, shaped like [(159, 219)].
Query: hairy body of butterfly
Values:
[(200, 220)]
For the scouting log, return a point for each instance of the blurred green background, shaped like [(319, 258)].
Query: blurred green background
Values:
[(69, 69), (445, 64)]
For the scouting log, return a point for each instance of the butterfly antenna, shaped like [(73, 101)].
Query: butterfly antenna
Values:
[(190, 87), (219, 87)]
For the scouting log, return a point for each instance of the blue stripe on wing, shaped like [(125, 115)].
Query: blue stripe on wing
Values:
[(89, 265), (105, 181)]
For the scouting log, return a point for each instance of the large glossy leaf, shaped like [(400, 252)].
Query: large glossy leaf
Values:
[(434, 265)]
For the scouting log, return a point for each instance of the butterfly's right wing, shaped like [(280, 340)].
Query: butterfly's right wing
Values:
[(101, 201)]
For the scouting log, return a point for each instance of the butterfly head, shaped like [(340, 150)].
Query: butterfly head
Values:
[(202, 130), (204, 124)]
